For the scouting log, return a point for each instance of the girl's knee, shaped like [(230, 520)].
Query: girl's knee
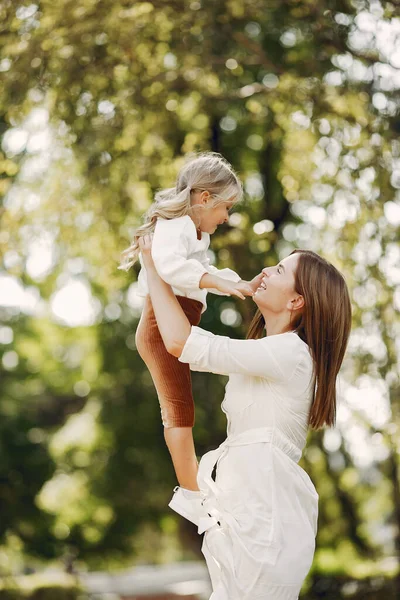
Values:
[(177, 418), (142, 348), (179, 441), (178, 434)]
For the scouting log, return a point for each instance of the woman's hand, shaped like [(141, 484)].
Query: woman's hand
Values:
[(172, 322), (145, 243)]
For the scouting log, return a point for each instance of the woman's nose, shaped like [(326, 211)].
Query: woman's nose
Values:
[(265, 271)]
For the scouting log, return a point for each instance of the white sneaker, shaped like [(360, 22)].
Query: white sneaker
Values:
[(187, 503)]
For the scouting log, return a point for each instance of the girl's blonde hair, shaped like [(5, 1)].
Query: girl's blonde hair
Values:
[(202, 171)]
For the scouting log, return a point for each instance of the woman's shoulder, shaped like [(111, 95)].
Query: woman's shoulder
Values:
[(287, 338), (287, 347)]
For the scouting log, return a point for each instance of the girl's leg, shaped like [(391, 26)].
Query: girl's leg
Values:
[(173, 384), (181, 447)]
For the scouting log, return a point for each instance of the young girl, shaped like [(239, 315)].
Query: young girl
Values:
[(181, 220)]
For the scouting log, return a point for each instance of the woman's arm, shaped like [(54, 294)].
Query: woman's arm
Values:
[(275, 357), (171, 320)]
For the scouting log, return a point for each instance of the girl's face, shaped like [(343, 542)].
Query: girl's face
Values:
[(277, 293), (206, 216)]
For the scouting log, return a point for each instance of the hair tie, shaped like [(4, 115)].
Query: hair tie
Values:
[(187, 187)]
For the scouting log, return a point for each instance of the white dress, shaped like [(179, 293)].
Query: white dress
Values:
[(260, 538)]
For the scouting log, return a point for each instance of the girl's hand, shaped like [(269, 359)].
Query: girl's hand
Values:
[(145, 243), (241, 289), (222, 285), (256, 281), (245, 287), (249, 288), (230, 287)]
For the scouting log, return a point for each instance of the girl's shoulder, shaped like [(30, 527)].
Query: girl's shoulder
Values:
[(177, 225), (181, 227)]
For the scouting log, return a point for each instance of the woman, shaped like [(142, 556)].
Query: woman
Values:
[(260, 513)]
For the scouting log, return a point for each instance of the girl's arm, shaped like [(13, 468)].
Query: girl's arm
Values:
[(171, 320), (170, 255), (225, 286), (226, 281)]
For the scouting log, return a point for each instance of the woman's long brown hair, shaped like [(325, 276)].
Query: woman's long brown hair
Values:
[(324, 324)]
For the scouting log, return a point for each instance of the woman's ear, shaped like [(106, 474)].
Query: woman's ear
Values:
[(296, 303)]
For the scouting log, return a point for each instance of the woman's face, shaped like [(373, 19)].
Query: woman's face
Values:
[(276, 293)]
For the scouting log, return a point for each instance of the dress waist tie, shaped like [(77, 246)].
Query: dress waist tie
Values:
[(214, 512)]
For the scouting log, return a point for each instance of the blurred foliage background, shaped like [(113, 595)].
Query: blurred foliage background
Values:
[(99, 102)]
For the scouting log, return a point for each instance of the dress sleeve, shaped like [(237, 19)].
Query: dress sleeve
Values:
[(223, 273), (170, 254), (275, 357)]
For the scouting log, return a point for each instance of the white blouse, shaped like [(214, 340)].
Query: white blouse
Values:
[(181, 259), (262, 506)]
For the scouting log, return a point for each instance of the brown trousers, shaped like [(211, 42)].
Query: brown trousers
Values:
[(171, 378)]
